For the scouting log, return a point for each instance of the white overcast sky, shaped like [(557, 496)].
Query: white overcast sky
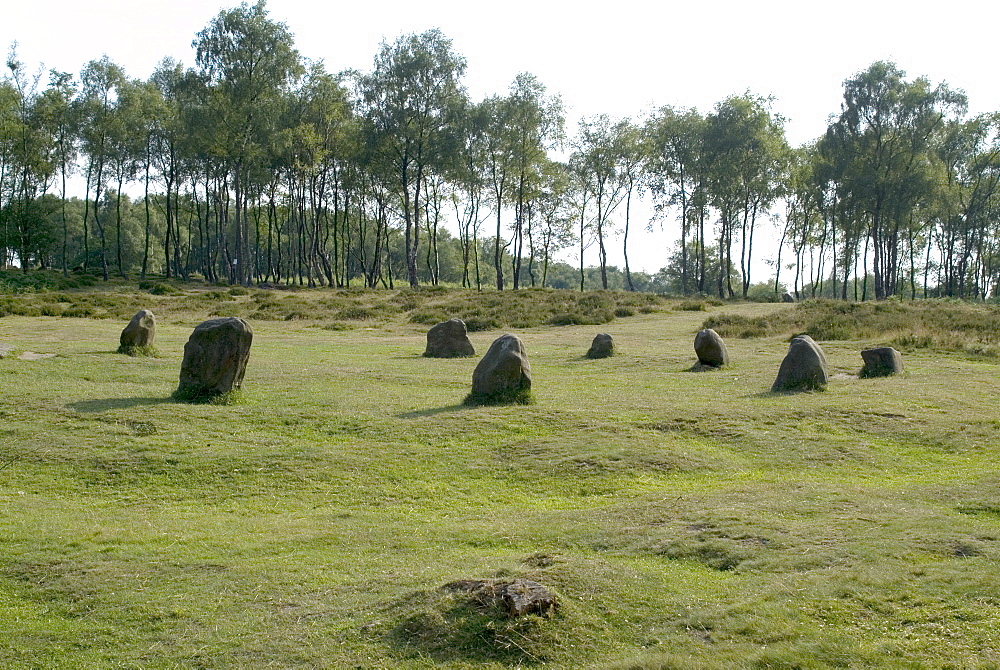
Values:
[(621, 57)]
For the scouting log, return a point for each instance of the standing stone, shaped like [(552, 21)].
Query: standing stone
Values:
[(503, 376), (449, 339), (603, 346), (215, 358), (881, 362), (787, 297), (140, 332), (803, 368), (710, 348)]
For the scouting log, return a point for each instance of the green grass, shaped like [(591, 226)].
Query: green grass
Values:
[(685, 520)]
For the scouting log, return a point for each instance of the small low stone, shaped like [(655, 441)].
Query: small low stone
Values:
[(803, 368), (6, 349), (514, 597), (603, 346), (449, 339), (787, 297), (710, 348), (881, 362)]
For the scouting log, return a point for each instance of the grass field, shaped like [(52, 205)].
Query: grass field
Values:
[(685, 519)]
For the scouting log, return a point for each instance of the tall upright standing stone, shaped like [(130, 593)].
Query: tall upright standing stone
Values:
[(803, 368), (139, 334), (503, 375), (710, 348), (215, 358), (449, 339)]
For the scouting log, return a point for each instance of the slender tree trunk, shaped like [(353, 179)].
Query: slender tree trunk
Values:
[(169, 221), (145, 243), (628, 270), (703, 262), (65, 245), (519, 231), (86, 217), (864, 281), (118, 230), (602, 252), (497, 260), (777, 264)]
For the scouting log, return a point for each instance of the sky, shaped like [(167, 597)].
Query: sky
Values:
[(620, 58)]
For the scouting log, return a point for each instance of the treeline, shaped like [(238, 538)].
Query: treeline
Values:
[(258, 165), (130, 217)]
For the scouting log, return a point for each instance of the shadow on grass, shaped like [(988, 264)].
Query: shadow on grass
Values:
[(765, 394), (117, 403), (410, 357), (434, 410), (584, 358), (785, 392)]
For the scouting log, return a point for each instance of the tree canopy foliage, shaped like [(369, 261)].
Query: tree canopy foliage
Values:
[(258, 165)]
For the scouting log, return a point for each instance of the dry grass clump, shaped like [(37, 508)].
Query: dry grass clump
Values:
[(529, 308), (48, 295), (927, 324), (146, 350)]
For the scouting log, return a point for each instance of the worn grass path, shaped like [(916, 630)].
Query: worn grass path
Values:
[(686, 519)]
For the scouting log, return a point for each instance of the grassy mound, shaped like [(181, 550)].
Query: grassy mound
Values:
[(48, 294), (448, 625), (928, 324)]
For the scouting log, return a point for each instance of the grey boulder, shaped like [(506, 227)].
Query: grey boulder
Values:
[(215, 358), (804, 367), (710, 348), (503, 375), (881, 362), (449, 339), (603, 346), (140, 332)]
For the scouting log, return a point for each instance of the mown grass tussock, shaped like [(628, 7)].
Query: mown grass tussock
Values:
[(929, 324), (447, 625)]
